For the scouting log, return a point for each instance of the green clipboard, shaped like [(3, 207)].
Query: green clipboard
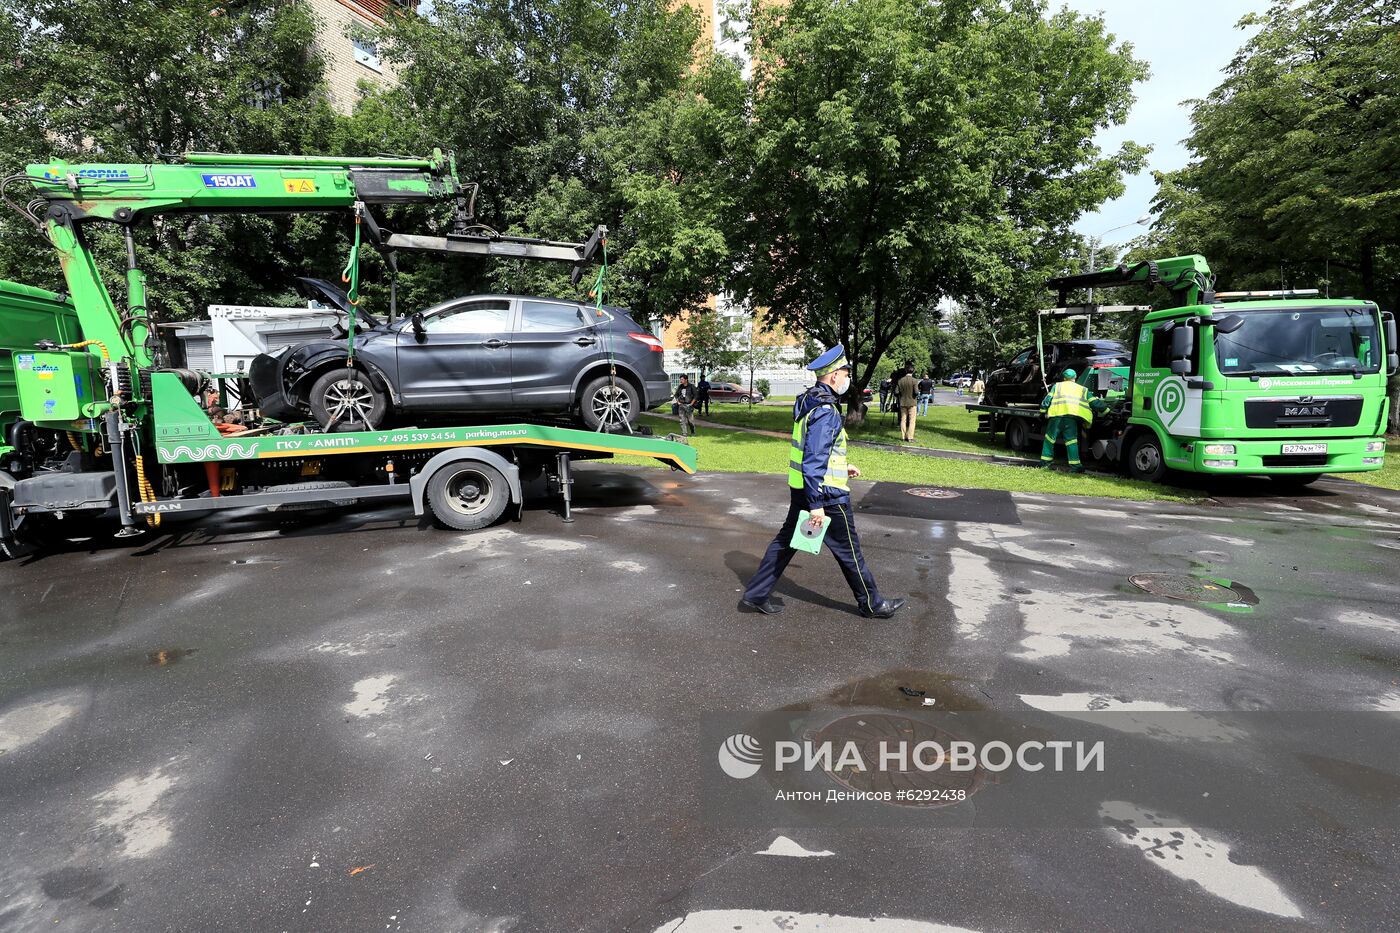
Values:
[(802, 541)]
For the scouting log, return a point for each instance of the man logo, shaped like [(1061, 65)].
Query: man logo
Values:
[(740, 756)]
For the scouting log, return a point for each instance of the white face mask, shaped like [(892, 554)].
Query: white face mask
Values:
[(840, 387)]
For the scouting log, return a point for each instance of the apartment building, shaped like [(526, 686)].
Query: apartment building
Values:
[(345, 42)]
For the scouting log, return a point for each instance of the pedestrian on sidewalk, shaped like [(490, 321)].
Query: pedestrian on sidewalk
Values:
[(907, 389), (925, 393), (819, 483), (979, 389), (684, 398), (702, 396)]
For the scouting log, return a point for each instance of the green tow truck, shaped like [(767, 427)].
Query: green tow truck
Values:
[(1282, 384), (94, 422)]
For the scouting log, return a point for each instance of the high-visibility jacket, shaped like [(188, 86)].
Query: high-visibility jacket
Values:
[(1070, 398), (817, 457)]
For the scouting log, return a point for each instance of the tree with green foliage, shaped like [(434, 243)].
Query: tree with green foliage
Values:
[(707, 343), (570, 113), (901, 152), (1293, 180), (84, 81)]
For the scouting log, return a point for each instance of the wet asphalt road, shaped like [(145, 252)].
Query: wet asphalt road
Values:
[(357, 723)]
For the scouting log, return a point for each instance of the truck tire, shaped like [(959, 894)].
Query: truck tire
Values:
[(1018, 433), (608, 401), (1145, 459), (466, 495), (347, 399)]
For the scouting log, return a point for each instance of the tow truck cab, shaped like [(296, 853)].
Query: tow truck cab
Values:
[(1291, 387)]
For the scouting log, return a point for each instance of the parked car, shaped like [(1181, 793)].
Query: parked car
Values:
[(957, 379), (510, 355), (1018, 381), (733, 392)]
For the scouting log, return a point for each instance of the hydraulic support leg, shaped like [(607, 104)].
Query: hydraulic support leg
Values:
[(566, 485)]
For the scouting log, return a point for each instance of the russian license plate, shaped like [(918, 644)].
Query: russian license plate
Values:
[(1305, 448)]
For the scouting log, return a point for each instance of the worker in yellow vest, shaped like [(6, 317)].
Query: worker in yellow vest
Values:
[(1067, 404)]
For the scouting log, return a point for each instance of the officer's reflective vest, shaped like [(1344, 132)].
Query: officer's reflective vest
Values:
[(1070, 398), (836, 474)]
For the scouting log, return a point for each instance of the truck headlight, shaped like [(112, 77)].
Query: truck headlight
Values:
[(1216, 450), (1373, 461), (1218, 463), (1375, 447)]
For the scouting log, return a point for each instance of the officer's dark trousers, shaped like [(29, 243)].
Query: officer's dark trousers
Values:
[(841, 539)]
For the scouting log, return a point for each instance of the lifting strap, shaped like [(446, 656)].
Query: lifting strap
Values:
[(351, 276)]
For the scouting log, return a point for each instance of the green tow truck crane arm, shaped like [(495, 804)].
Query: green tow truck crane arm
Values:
[(1188, 278), (72, 196)]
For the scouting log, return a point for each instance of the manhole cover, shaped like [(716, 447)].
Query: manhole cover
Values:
[(870, 732), (932, 492), (1194, 589)]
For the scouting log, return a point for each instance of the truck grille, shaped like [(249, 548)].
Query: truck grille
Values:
[(1325, 411)]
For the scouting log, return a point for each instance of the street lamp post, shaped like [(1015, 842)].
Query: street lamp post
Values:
[(1094, 255)]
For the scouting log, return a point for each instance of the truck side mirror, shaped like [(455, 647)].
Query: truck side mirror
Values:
[(1229, 324), (1392, 348), (1183, 344)]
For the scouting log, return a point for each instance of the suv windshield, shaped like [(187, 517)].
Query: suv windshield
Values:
[(1300, 340)]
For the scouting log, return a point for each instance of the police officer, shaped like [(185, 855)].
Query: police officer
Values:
[(1067, 404), (819, 481)]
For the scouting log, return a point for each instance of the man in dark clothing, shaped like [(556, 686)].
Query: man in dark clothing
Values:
[(819, 482), (684, 397), (925, 393), (702, 396), (885, 385)]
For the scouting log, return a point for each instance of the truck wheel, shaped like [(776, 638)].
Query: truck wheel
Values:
[(1294, 480), (347, 399), (609, 402), (1018, 434), (467, 495), (1145, 460)]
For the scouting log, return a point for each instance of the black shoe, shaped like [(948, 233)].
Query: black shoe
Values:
[(768, 607), (883, 609)]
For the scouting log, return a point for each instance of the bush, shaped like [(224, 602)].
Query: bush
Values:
[(763, 387)]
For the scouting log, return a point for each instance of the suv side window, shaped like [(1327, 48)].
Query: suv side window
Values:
[(482, 316), (1021, 359), (544, 316)]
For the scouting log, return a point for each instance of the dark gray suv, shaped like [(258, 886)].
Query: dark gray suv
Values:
[(482, 355)]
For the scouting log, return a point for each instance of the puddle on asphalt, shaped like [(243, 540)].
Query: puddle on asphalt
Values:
[(1356, 779), (164, 657)]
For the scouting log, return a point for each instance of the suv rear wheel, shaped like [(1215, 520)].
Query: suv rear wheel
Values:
[(609, 402)]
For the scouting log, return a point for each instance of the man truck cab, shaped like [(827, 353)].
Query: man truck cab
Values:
[(1289, 386)]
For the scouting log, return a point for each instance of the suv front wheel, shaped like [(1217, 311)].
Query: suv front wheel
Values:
[(609, 402)]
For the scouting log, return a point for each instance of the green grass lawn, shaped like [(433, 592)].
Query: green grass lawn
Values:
[(945, 427), (743, 452)]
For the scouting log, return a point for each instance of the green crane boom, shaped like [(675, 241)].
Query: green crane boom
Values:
[(1188, 278)]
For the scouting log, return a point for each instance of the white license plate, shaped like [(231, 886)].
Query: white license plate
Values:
[(1305, 448)]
